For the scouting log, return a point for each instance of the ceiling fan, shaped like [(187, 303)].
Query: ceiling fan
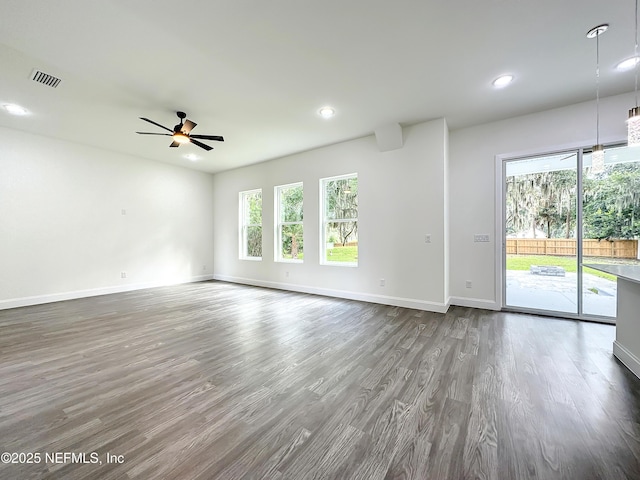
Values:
[(181, 133)]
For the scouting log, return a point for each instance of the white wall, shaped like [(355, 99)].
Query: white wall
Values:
[(401, 198), (62, 232), (473, 153)]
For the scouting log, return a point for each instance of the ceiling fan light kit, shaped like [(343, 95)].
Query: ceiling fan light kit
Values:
[(181, 133), (180, 137)]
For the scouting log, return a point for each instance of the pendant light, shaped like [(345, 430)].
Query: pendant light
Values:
[(633, 123), (597, 154)]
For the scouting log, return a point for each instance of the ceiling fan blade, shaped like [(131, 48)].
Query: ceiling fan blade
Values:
[(201, 145), (188, 126), (156, 124), (174, 144), (149, 133), (209, 137)]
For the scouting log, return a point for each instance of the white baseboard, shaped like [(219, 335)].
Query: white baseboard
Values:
[(475, 303), (92, 292), (627, 358), (363, 297)]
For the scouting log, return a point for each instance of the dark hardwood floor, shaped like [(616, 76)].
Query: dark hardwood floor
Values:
[(219, 381)]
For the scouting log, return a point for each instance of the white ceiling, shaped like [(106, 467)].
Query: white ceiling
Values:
[(257, 71)]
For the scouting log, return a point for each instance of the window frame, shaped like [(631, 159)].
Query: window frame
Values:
[(324, 221), (278, 223), (245, 225)]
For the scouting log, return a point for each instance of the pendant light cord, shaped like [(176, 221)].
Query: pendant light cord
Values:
[(635, 53), (598, 87)]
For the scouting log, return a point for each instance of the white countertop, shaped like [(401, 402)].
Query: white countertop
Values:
[(627, 272)]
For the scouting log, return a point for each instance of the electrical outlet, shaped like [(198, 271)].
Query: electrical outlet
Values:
[(480, 238), (382, 282), (204, 268), (123, 274), (124, 211), (468, 284), (427, 238), (286, 274)]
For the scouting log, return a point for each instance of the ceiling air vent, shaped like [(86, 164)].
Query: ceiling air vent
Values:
[(45, 78)]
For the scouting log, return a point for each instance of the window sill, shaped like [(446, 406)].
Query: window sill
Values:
[(338, 264)]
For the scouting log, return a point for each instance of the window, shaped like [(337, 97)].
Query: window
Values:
[(251, 225), (339, 230), (289, 241)]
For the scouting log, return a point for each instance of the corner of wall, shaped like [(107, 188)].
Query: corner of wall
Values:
[(447, 211)]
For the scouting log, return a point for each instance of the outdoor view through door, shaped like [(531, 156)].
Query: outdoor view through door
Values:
[(558, 216)]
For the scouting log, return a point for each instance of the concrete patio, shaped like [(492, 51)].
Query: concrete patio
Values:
[(560, 293)]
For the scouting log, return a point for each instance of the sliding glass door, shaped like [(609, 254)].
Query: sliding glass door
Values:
[(540, 233), (560, 213), (610, 225)]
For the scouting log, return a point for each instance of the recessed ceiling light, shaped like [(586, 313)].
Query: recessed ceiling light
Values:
[(502, 81), (327, 112), (628, 64), (14, 109), (192, 156)]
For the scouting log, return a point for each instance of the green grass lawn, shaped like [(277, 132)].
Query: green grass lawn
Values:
[(336, 254), (287, 256), (523, 262), (342, 254)]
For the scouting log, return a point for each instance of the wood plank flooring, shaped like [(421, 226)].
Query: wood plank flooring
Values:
[(219, 381)]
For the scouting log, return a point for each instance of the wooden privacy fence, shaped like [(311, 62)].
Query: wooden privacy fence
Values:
[(348, 244), (567, 246)]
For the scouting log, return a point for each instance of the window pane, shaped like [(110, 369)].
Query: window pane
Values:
[(292, 242), (291, 204), (254, 241), (340, 220), (251, 224), (341, 198), (611, 225), (254, 208), (342, 242)]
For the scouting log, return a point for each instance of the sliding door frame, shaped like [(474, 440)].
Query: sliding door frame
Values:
[(501, 242)]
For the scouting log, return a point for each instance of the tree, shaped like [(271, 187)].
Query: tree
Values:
[(612, 202), (542, 200), (548, 201), (291, 204), (563, 193), (254, 228), (342, 204)]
